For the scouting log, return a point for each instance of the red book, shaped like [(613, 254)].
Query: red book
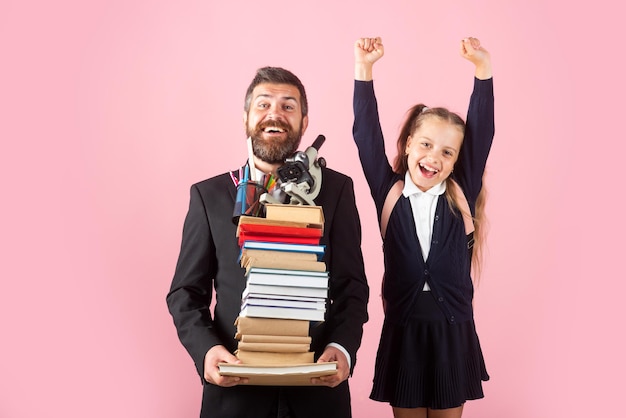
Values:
[(244, 236), (278, 233), (279, 230)]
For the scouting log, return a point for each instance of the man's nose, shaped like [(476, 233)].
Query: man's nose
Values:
[(273, 112)]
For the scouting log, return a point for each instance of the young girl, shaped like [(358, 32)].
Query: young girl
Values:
[(429, 359)]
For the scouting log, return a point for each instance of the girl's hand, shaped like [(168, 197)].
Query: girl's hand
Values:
[(472, 50), (366, 52)]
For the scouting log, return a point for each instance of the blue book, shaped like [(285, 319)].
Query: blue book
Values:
[(281, 246)]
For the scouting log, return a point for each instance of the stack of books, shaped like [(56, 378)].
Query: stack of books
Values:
[(286, 289), (285, 277)]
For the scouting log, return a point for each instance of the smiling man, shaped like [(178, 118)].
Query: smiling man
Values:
[(275, 118)]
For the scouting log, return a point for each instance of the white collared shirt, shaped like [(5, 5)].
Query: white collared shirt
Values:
[(423, 205)]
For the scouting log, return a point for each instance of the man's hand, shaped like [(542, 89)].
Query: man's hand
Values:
[(343, 370), (472, 51), (366, 52), (218, 354)]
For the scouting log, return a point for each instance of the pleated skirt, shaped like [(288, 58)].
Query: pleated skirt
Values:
[(427, 362)]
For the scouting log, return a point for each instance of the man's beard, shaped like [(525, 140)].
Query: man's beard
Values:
[(274, 151)]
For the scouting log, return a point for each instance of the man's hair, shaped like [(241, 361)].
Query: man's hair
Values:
[(276, 75)]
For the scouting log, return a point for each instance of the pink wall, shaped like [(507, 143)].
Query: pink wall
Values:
[(110, 110)]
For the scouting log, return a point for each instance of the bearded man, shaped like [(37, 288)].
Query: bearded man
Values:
[(275, 118)]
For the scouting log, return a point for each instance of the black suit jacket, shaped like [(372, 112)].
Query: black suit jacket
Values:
[(208, 262)]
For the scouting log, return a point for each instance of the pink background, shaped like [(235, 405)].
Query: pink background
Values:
[(110, 110)]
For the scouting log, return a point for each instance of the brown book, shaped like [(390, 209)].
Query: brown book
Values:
[(289, 339), (312, 215), (260, 357), (281, 263), (272, 326), (260, 254), (278, 374), (274, 347), (255, 220)]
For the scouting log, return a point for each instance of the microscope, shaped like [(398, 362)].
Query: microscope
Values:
[(301, 175)]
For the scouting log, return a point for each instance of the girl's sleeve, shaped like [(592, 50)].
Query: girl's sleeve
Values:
[(368, 137), (479, 133)]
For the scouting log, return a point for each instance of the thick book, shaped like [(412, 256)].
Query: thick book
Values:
[(313, 215), (287, 339), (262, 289), (278, 375), (267, 358), (288, 279), (274, 347), (315, 315), (282, 263), (270, 326), (269, 256), (247, 253), (286, 247)]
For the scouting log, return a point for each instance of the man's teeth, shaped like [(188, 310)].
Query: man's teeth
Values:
[(271, 130)]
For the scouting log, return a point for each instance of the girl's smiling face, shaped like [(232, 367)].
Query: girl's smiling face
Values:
[(432, 151)]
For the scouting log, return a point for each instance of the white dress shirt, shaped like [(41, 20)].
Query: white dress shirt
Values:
[(424, 205)]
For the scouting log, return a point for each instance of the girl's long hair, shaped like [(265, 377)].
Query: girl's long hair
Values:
[(414, 119)]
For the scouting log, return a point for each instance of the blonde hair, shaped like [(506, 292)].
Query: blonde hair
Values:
[(480, 224)]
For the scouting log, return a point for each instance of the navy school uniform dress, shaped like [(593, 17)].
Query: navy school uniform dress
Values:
[(429, 353)]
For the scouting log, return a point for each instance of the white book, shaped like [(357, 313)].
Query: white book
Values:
[(288, 303), (287, 280), (283, 246), (282, 313), (263, 289), (254, 295)]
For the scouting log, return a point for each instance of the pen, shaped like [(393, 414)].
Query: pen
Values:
[(232, 177)]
